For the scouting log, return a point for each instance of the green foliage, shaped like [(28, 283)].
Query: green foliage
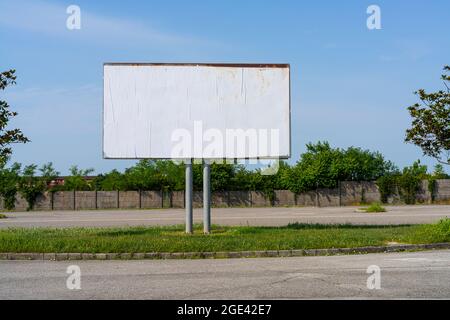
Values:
[(387, 186), (2, 216), (432, 187), (406, 183), (173, 239), (322, 167), (169, 176), (430, 129), (8, 136), (31, 186), (111, 181), (9, 179), (76, 181), (48, 173), (409, 181), (431, 233), (442, 228), (437, 174), (375, 207)]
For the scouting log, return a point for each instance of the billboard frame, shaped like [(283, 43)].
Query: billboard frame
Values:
[(202, 64)]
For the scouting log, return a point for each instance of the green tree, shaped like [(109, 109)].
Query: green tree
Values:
[(112, 181), (9, 180), (409, 181), (221, 176), (439, 172), (405, 183), (8, 136), (430, 128), (322, 166), (31, 186), (48, 173), (155, 175), (76, 181)]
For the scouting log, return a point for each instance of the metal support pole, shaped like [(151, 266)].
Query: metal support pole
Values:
[(188, 197), (206, 197)]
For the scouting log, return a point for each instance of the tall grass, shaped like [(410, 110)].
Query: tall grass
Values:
[(173, 239)]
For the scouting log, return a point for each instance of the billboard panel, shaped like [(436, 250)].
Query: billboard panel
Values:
[(209, 111)]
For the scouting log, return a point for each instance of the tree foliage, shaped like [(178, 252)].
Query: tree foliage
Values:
[(30, 185), (8, 136), (430, 128), (405, 183), (322, 166), (76, 180), (25, 181), (9, 179)]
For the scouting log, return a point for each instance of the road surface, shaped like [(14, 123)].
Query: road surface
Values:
[(229, 216), (402, 276)]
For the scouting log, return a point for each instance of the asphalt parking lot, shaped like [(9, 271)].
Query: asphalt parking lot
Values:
[(227, 216), (420, 275)]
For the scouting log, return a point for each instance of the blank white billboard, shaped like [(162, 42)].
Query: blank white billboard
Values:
[(199, 111)]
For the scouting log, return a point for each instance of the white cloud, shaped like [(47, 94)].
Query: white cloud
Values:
[(50, 19)]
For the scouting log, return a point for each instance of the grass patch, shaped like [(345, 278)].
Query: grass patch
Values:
[(2, 216), (374, 207), (173, 239)]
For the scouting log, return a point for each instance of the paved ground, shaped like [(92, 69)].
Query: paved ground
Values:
[(403, 275), (234, 216)]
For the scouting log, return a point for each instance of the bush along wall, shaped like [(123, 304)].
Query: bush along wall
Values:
[(321, 167)]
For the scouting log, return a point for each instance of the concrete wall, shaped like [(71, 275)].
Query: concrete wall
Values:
[(284, 198), (64, 200), (129, 200), (239, 199), (259, 199), (151, 199), (442, 191), (21, 203), (348, 193), (177, 199), (85, 200), (220, 199), (107, 199)]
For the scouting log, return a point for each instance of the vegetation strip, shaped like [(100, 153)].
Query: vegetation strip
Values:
[(172, 239), (320, 167), (219, 255)]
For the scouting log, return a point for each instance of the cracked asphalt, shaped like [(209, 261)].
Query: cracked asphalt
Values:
[(419, 275)]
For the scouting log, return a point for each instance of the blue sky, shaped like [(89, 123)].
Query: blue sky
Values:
[(350, 85)]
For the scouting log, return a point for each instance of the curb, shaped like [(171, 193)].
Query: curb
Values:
[(220, 255)]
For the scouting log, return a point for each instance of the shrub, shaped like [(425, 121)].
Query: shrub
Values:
[(409, 181), (387, 185), (375, 207), (442, 228), (76, 181), (438, 173), (31, 186), (9, 178), (322, 166), (438, 232)]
